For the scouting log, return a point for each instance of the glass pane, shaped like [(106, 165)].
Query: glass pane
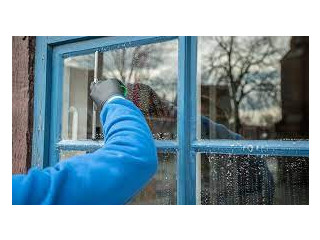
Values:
[(68, 154), (253, 87), (232, 179), (162, 189), (150, 73), (77, 105)]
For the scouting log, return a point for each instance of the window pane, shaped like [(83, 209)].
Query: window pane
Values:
[(253, 87), (232, 179), (162, 190), (150, 73), (77, 105), (68, 154)]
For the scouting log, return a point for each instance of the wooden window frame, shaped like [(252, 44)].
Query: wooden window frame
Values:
[(50, 52)]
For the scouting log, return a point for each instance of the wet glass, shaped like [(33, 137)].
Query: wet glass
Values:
[(162, 189), (150, 73), (253, 87), (253, 180), (68, 154)]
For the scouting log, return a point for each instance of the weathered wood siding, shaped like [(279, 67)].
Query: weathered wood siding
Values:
[(23, 52)]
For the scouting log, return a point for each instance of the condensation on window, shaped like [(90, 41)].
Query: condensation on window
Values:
[(162, 189), (253, 180), (150, 73), (253, 87)]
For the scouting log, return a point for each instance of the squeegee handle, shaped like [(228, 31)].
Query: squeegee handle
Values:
[(96, 66)]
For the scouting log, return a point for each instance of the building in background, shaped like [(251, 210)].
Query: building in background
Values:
[(295, 91)]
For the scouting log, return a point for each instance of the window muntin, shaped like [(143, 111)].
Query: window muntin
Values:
[(253, 86)]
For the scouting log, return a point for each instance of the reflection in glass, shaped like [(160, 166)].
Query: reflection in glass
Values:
[(150, 73), (77, 105), (162, 189), (251, 180), (254, 86)]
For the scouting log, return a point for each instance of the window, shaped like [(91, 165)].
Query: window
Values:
[(229, 114)]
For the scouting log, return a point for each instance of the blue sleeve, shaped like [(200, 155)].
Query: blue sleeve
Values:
[(110, 175)]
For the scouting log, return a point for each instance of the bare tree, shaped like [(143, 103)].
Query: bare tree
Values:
[(248, 66), (132, 65)]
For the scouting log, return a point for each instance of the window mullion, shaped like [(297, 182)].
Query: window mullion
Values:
[(186, 120)]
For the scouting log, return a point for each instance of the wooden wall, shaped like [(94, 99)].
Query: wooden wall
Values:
[(23, 53)]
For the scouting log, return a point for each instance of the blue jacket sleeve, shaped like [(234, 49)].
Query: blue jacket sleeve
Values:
[(110, 175)]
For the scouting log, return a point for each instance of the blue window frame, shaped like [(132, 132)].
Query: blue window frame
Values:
[(50, 53)]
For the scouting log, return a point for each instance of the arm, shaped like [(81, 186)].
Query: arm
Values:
[(213, 130), (111, 175)]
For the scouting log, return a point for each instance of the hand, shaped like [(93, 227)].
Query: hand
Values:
[(105, 89)]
